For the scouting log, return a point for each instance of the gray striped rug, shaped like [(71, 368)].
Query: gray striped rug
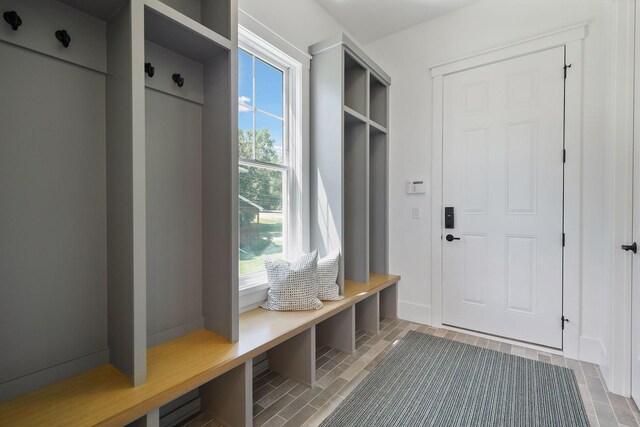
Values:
[(431, 381)]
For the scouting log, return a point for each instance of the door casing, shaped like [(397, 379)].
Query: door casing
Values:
[(571, 38)]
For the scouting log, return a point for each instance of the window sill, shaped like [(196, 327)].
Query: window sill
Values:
[(253, 286), (253, 292)]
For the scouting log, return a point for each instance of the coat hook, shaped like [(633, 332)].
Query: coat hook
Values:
[(178, 79), (149, 69), (63, 37), (12, 19)]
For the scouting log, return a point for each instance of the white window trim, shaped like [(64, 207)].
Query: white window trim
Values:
[(253, 288)]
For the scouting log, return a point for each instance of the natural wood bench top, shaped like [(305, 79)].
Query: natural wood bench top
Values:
[(104, 396)]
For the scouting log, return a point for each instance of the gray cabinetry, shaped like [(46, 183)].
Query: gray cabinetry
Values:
[(349, 157)]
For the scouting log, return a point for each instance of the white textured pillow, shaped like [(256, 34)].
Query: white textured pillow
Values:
[(328, 268), (293, 286), (329, 292)]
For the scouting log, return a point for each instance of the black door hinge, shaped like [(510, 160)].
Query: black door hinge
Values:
[(564, 320), (564, 156), (563, 239), (565, 70)]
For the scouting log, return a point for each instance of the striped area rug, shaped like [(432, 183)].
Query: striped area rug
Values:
[(431, 381)]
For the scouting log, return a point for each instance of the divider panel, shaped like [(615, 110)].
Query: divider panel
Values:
[(228, 399), (338, 331), (389, 302), (296, 357), (368, 314), (152, 419)]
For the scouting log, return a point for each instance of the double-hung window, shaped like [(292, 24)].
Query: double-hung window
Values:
[(264, 164)]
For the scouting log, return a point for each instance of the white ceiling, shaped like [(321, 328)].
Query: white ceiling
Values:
[(369, 20)]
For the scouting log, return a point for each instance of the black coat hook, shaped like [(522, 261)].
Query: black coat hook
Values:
[(12, 19), (63, 37), (148, 68), (178, 79)]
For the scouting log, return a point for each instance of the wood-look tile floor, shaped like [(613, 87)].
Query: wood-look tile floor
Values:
[(279, 401)]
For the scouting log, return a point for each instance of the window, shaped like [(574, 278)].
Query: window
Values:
[(264, 170)]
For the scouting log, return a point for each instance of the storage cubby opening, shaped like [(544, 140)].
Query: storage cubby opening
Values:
[(162, 29), (338, 331), (355, 85), (213, 14), (389, 302), (368, 314), (181, 410), (378, 202), (378, 102), (225, 400), (104, 10), (356, 219), (182, 91)]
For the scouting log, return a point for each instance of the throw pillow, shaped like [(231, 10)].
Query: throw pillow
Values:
[(293, 285)]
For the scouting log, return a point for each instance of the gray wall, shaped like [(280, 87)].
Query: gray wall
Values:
[(53, 217), (174, 212)]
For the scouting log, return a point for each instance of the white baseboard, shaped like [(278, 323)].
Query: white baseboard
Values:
[(417, 313), (592, 350), (160, 337)]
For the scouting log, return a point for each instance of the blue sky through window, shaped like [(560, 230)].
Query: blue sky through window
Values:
[(261, 99)]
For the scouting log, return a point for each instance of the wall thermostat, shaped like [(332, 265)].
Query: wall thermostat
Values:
[(416, 187)]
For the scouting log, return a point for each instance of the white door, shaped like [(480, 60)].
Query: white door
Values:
[(635, 264), (503, 175), (632, 247)]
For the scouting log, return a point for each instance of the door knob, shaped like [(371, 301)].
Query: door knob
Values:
[(450, 238), (632, 247)]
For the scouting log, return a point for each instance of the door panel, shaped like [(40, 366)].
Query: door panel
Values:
[(503, 174)]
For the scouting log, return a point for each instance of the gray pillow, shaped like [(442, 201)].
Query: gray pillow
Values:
[(293, 286), (328, 268)]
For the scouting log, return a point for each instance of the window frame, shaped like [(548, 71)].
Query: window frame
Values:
[(256, 283)]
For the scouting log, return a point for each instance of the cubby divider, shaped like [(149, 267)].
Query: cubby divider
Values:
[(338, 331), (296, 357), (368, 314), (389, 302), (228, 398)]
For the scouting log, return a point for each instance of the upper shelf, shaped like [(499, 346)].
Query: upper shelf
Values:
[(101, 9), (342, 39), (351, 116), (172, 30)]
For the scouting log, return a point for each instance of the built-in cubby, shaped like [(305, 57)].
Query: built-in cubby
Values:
[(378, 101), (106, 183), (184, 122), (213, 14), (368, 314), (338, 331), (378, 201), (389, 302), (349, 197), (356, 236), (355, 84)]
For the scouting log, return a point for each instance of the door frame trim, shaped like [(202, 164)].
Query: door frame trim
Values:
[(571, 38)]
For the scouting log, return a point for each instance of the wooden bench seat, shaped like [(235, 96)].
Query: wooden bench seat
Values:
[(104, 396)]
